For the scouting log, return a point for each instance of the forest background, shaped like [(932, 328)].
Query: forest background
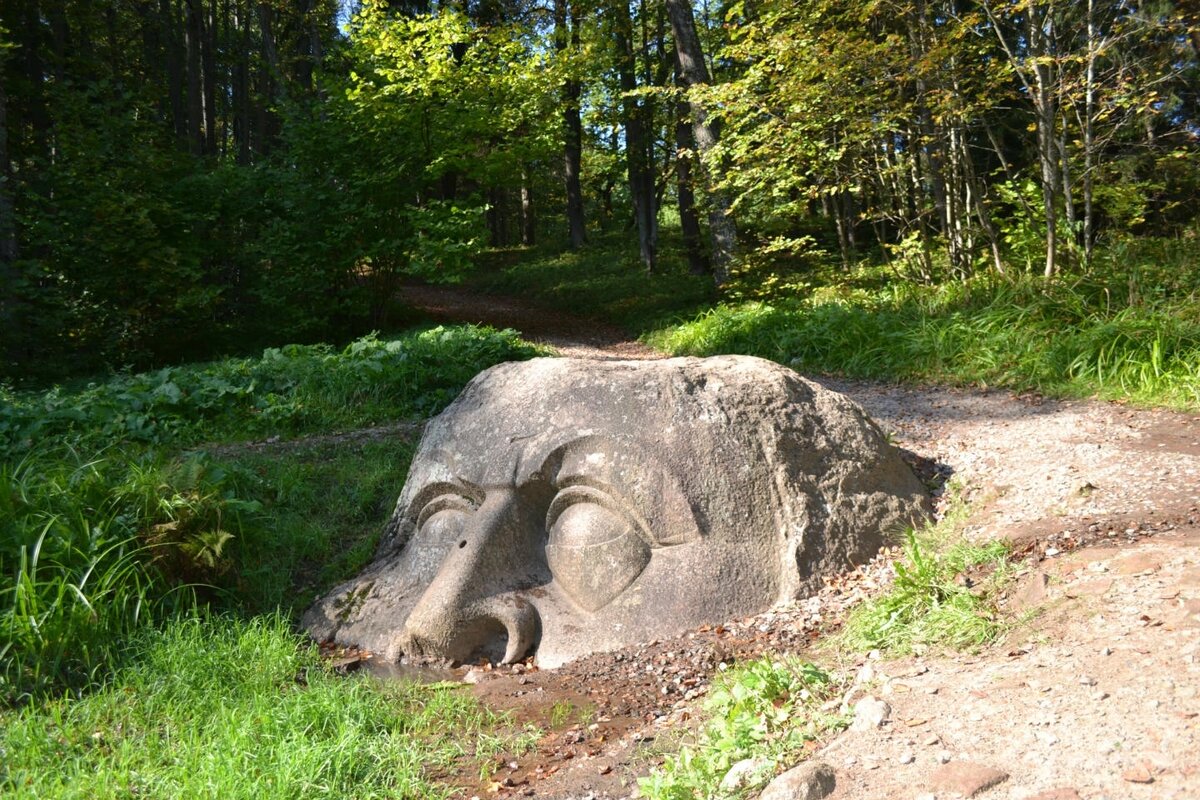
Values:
[(189, 178)]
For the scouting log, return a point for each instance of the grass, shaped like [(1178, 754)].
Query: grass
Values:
[(1062, 339), (147, 589), (767, 709), (1128, 329), (943, 595), (224, 708), (285, 392), (94, 548)]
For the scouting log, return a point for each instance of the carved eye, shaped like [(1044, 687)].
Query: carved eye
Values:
[(594, 549), (444, 517)]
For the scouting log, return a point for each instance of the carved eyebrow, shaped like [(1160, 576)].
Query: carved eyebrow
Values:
[(665, 519), (599, 493), (437, 489)]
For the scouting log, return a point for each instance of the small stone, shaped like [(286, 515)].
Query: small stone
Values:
[(907, 758), (811, 780), (744, 774), (1056, 794), (1087, 680), (943, 756), (869, 713), (1138, 774), (965, 778), (866, 674), (930, 741), (1030, 591)]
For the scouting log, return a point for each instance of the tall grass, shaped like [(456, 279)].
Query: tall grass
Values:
[(1062, 338), (91, 550), (222, 708)]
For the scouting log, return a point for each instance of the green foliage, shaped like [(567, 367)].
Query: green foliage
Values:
[(90, 550), (1141, 342), (942, 595), (606, 281), (232, 709), (766, 709), (288, 390)]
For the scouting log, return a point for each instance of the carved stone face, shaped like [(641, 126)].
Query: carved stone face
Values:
[(564, 507)]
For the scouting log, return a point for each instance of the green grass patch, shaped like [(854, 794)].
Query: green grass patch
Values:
[(766, 709), (93, 549), (604, 280), (1059, 339), (943, 595), (286, 391), (223, 708)]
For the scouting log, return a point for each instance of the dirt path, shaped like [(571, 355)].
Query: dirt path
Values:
[(572, 335), (1094, 697)]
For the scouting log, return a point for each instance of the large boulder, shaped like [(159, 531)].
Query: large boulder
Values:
[(562, 507)]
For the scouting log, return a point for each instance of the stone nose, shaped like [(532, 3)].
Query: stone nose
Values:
[(471, 609)]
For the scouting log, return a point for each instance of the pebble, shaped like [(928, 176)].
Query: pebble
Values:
[(966, 778), (812, 780), (870, 712), (907, 758)]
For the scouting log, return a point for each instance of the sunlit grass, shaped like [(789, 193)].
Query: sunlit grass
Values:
[(943, 594), (765, 709), (228, 709), (1060, 340)]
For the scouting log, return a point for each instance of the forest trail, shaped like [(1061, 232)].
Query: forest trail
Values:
[(1095, 695), (572, 335)]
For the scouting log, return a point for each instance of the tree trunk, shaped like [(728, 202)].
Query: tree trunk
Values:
[(1089, 134), (8, 220), (241, 84), (193, 32), (528, 216), (1046, 111), (693, 72), (641, 179), (172, 46), (208, 40), (689, 218), (566, 33)]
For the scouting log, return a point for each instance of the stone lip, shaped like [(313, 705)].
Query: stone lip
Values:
[(569, 506)]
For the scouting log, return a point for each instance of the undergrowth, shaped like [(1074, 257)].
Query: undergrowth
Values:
[(286, 391), (604, 280), (766, 709), (943, 594), (1063, 338), (223, 708)]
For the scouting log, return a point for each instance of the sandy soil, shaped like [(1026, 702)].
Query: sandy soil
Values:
[(1095, 696)]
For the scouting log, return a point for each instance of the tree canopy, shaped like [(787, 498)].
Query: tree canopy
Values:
[(180, 178)]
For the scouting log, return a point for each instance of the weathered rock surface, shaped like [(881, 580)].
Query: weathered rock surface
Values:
[(569, 506), (965, 778), (809, 781)]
